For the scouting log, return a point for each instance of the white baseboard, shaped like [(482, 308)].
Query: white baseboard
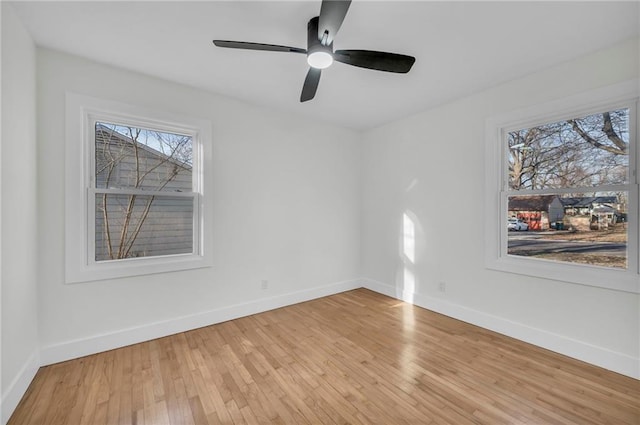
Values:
[(607, 359), (18, 387), (98, 343)]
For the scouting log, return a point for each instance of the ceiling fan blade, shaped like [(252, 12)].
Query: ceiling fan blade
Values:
[(381, 61), (310, 84), (257, 46), (332, 13)]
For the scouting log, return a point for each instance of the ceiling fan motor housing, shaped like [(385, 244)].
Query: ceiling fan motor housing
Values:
[(319, 55)]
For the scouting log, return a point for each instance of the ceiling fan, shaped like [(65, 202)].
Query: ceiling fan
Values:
[(321, 31)]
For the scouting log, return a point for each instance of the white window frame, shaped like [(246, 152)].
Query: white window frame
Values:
[(82, 112), (623, 95)]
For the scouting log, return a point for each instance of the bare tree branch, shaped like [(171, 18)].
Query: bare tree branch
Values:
[(592, 141), (608, 129)]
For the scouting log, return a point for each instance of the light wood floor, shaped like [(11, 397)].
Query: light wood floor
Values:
[(352, 358)]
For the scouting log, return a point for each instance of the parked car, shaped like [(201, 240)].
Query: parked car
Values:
[(517, 224)]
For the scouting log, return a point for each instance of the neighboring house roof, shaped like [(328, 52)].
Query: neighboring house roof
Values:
[(122, 162), (542, 202), (604, 210), (588, 201), (531, 203), (104, 134)]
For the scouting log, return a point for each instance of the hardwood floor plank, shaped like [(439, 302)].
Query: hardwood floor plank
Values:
[(352, 358), (197, 412)]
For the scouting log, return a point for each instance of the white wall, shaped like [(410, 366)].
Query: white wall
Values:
[(431, 167), (286, 209), (19, 207)]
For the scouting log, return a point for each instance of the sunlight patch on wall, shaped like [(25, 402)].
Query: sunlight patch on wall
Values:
[(407, 285), (409, 238)]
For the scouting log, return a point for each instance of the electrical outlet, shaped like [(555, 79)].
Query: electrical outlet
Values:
[(442, 287), (264, 284)]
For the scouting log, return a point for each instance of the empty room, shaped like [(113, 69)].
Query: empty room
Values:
[(319, 212)]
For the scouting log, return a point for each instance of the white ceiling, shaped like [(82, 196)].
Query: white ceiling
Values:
[(461, 47)]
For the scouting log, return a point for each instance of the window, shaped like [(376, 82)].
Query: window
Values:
[(142, 190), (562, 192), (137, 188), (568, 180)]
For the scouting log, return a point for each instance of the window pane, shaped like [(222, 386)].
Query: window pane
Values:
[(580, 152), (580, 229), (129, 226), (136, 158)]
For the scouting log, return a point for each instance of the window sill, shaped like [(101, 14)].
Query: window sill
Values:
[(601, 277), (134, 267)]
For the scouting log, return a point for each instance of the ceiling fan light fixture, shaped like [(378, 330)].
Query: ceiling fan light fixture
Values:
[(320, 59)]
